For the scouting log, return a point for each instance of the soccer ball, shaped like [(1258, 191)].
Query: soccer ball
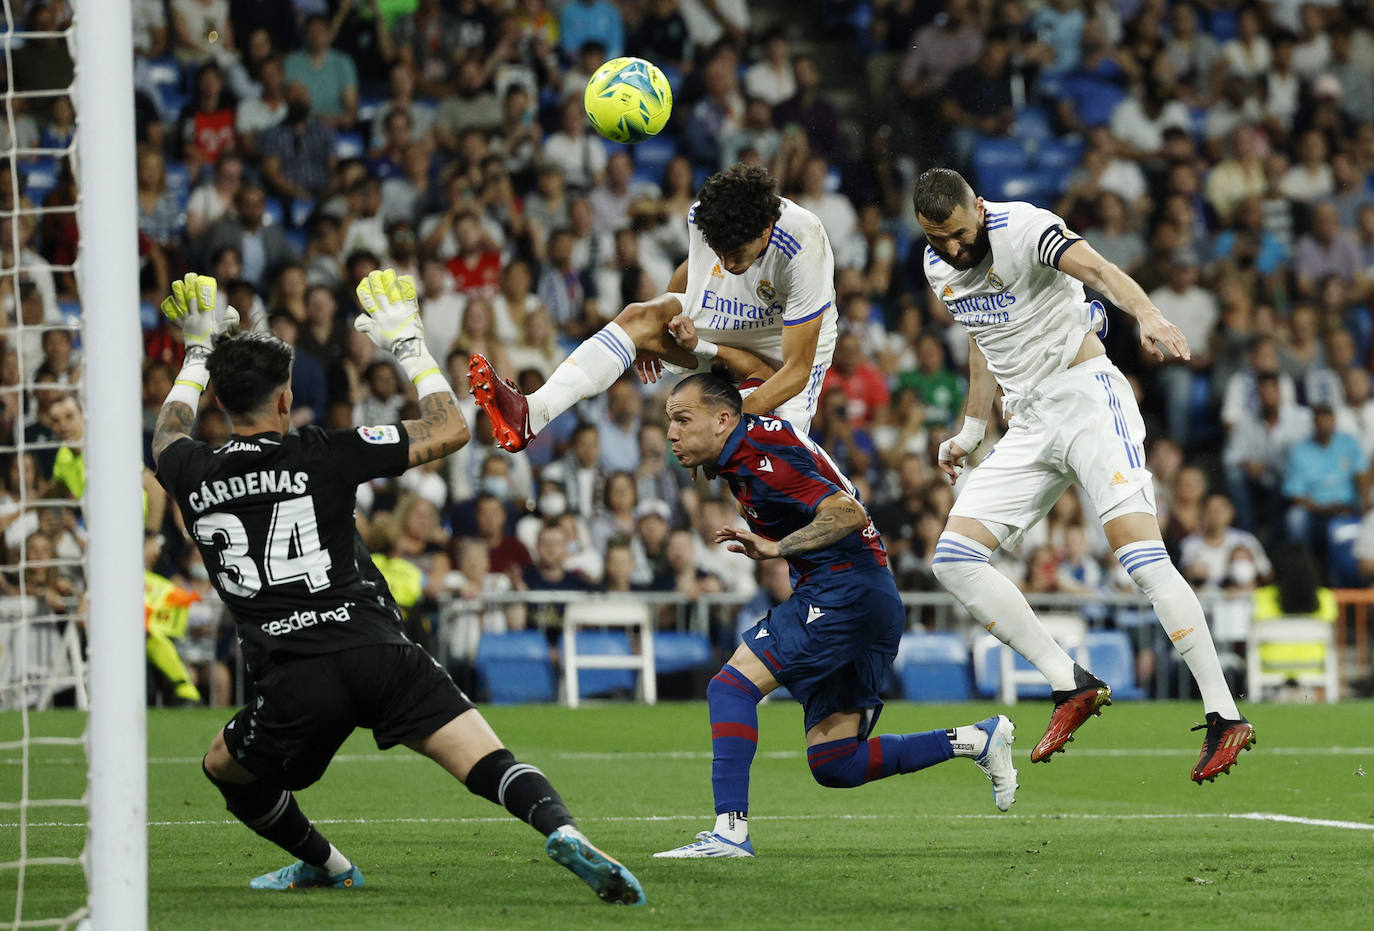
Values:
[(628, 100)]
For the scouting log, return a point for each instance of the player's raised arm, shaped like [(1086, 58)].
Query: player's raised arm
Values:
[(191, 307), (391, 319), (1083, 262), (837, 516)]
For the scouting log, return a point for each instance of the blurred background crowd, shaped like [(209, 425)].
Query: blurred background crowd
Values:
[(1220, 151)]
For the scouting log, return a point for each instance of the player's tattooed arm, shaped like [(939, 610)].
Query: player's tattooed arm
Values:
[(174, 422), (836, 517), (441, 429)]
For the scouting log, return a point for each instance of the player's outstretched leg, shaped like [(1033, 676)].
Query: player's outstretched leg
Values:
[(733, 702), (468, 748), (591, 369), (961, 565), (1178, 609), (850, 762), (271, 811)]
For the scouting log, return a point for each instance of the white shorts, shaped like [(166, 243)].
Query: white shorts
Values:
[(798, 410), (1082, 425)]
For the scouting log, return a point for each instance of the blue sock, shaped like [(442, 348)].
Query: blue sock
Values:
[(844, 764), (734, 705)]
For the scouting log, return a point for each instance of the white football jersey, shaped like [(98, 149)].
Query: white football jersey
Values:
[(793, 282), (1026, 316)]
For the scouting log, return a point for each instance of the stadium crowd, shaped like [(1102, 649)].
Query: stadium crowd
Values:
[(1221, 152)]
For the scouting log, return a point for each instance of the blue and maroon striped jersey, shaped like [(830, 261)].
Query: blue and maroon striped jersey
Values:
[(779, 477)]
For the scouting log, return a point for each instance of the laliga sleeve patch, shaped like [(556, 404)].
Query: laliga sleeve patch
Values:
[(380, 436)]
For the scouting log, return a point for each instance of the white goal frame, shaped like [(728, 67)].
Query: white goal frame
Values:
[(117, 846)]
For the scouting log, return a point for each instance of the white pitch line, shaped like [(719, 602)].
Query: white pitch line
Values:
[(1044, 816), (535, 753)]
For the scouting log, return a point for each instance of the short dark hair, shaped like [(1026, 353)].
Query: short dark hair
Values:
[(939, 191), (735, 206), (247, 369), (715, 389)]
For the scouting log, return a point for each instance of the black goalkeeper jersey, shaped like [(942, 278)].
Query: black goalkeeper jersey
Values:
[(273, 518)]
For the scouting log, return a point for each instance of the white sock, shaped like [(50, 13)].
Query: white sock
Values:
[(733, 826), (969, 740), (961, 565), (337, 862), (1180, 612), (591, 369)]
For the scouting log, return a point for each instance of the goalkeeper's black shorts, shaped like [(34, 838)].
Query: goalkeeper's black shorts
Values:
[(305, 708)]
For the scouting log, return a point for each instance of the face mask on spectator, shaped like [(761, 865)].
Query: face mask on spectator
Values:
[(1242, 572), (553, 504), (497, 485)]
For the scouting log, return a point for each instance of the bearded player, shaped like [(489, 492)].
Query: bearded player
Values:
[(759, 276), (831, 643), (272, 514), (1013, 275)]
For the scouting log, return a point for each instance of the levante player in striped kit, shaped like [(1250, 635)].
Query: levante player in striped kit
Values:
[(832, 643)]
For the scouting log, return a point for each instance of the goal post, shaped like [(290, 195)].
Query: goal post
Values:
[(108, 276)]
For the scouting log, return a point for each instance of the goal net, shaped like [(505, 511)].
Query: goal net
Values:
[(69, 519)]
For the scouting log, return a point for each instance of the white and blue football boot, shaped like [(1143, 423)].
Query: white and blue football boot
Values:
[(301, 875), (708, 844), (995, 760)]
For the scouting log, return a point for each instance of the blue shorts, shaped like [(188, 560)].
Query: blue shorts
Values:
[(833, 645)]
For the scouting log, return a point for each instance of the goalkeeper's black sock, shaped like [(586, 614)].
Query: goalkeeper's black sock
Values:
[(272, 813), (522, 789)]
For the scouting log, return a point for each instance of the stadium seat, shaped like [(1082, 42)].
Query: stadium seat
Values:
[(301, 211), (273, 214), (1312, 645), (1059, 154), (349, 145), (680, 652), (1032, 126), (39, 180), (594, 682), (515, 668), (178, 177), (1112, 659), (652, 157), (597, 661), (934, 667), (1340, 551)]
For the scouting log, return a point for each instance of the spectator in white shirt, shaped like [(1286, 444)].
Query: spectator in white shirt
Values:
[(1194, 311), (835, 212), (210, 201), (771, 79), (1205, 557), (1256, 451), (1248, 54)]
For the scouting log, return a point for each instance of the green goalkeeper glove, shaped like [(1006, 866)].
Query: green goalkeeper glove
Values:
[(191, 307), (391, 319)]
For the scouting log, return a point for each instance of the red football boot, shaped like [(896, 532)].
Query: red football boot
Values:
[(1223, 743), (1071, 708), (502, 402)]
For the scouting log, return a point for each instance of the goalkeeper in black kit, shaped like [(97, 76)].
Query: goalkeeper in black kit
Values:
[(272, 514)]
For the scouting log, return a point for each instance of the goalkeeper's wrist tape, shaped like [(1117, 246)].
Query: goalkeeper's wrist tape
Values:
[(419, 366), (192, 378), (706, 350)]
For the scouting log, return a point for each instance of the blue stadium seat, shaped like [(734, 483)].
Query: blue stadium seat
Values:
[(1059, 154), (987, 670), (515, 668), (652, 157), (1340, 551), (39, 180), (178, 177), (1032, 126), (349, 145), (1112, 659), (301, 211), (1034, 186), (274, 213), (1222, 24), (934, 667), (148, 316), (680, 652), (594, 682)]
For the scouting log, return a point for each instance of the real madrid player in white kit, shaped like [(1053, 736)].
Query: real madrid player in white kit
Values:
[(1013, 275), (759, 280)]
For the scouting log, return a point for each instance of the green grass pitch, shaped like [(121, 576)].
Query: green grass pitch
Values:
[(1111, 834)]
